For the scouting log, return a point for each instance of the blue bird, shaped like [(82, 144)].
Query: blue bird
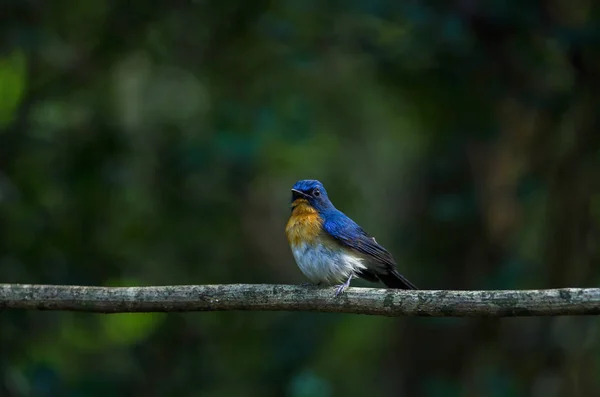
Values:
[(331, 248)]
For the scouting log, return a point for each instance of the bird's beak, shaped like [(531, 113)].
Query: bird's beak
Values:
[(296, 194)]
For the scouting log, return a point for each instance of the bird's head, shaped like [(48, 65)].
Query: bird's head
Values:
[(312, 193)]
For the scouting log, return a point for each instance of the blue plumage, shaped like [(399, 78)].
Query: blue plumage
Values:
[(328, 245)]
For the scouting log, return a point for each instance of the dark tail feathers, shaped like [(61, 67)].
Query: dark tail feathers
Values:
[(395, 280)]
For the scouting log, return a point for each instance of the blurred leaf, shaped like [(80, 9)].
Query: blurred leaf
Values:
[(12, 85), (130, 328)]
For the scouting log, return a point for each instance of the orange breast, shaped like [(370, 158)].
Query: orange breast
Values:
[(304, 224)]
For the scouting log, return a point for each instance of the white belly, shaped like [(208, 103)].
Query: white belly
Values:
[(324, 264)]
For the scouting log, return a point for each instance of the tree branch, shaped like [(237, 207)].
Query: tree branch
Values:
[(386, 302)]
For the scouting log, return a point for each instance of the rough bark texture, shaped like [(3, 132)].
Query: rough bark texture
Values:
[(386, 302)]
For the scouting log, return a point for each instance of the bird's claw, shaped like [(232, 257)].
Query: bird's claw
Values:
[(340, 290)]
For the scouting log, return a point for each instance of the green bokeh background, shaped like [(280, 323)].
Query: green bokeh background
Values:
[(155, 143)]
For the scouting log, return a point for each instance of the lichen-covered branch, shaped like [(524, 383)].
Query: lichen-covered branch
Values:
[(386, 302)]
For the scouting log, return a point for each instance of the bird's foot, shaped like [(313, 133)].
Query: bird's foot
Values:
[(343, 287), (340, 290)]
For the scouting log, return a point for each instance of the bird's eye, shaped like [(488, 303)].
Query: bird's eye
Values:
[(316, 192)]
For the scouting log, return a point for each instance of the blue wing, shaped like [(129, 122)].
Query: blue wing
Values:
[(349, 234), (380, 264)]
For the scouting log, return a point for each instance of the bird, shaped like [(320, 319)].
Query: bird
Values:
[(332, 249)]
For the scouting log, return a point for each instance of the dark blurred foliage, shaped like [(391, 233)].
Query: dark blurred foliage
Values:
[(155, 143)]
